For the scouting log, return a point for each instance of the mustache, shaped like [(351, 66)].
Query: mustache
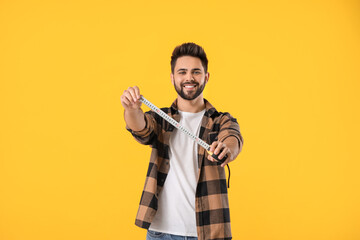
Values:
[(191, 82)]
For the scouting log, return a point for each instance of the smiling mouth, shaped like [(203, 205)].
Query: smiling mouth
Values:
[(190, 86)]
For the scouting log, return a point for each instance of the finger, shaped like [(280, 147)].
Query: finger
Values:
[(129, 97), (213, 146), (124, 93), (137, 92), (228, 160), (211, 158), (225, 162), (123, 97), (132, 93), (223, 153), (218, 148), (125, 102)]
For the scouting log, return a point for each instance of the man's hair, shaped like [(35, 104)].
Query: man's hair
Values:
[(189, 49)]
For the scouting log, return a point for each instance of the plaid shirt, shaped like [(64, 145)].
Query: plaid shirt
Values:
[(211, 200)]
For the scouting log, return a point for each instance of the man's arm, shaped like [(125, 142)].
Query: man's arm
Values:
[(229, 142), (133, 114), (141, 125), (135, 119)]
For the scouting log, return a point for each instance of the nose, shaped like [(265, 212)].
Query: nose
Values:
[(190, 76)]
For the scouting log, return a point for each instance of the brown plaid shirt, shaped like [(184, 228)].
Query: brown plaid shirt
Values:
[(211, 200)]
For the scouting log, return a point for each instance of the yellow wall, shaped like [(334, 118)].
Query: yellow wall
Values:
[(287, 70)]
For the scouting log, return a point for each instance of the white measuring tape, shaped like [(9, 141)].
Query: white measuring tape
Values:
[(182, 128)]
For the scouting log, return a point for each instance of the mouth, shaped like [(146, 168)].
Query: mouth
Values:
[(189, 86)]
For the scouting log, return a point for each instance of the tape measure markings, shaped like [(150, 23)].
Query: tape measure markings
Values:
[(176, 124)]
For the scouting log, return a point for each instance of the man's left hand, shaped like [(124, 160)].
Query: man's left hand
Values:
[(220, 147)]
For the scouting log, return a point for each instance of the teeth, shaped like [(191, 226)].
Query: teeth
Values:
[(189, 86)]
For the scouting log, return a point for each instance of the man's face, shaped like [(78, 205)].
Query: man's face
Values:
[(189, 77)]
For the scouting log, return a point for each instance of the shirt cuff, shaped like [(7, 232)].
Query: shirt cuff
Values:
[(142, 132)]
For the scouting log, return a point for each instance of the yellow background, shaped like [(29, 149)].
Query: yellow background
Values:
[(287, 70)]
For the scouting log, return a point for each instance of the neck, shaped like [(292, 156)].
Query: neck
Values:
[(193, 106)]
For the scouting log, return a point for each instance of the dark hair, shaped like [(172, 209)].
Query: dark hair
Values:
[(189, 49)]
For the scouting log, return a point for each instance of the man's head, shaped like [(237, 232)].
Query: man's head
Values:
[(189, 49), (189, 70)]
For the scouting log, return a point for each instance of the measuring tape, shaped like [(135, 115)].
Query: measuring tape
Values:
[(183, 129)]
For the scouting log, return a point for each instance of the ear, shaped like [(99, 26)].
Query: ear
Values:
[(207, 76), (172, 79)]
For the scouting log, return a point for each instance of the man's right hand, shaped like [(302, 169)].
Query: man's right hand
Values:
[(131, 99), (133, 114)]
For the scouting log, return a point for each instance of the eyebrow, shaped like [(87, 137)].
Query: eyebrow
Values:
[(184, 69)]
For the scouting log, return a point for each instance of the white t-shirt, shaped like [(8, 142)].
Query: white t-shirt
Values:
[(176, 204)]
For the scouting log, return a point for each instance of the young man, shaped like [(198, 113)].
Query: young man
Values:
[(185, 194)]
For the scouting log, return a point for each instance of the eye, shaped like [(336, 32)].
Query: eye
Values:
[(183, 72), (197, 72)]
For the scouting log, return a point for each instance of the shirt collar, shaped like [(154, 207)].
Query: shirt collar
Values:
[(209, 109)]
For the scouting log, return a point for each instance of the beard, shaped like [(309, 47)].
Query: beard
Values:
[(192, 95)]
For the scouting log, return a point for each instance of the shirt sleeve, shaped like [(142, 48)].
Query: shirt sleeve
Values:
[(230, 127), (146, 135)]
